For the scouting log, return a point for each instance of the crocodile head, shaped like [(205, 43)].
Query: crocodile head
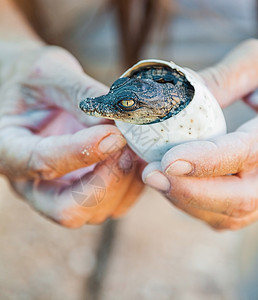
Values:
[(139, 100)]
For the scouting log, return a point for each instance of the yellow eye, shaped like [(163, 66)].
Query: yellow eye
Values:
[(127, 103)]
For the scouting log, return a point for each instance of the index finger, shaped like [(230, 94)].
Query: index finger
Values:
[(25, 155)]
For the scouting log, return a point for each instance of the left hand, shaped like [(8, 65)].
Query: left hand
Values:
[(66, 168), (217, 181)]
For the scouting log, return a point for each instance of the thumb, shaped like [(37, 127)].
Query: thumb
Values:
[(236, 75), (227, 154), (58, 79)]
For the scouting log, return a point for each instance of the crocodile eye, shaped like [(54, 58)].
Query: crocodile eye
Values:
[(127, 103)]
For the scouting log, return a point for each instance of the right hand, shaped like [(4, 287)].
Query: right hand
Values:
[(44, 136), (216, 180)]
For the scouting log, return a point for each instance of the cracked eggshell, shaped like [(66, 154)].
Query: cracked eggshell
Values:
[(201, 119)]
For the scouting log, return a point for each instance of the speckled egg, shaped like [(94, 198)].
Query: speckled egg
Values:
[(201, 119)]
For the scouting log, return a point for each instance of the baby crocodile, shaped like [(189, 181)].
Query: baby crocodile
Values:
[(149, 95)]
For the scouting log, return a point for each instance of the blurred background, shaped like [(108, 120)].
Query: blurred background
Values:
[(155, 251)]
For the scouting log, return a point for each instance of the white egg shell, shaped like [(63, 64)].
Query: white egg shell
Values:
[(201, 119)]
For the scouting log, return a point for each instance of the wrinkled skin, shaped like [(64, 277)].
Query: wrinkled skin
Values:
[(217, 181), (44, 137)]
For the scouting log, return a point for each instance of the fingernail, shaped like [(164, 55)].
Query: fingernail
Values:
[(112, 143), (158, 181), (179, 167)]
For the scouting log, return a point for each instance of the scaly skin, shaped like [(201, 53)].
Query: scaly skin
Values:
[(150, 95)]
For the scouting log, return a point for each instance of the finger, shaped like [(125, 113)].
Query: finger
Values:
[(228, 154), (215, 220), (252, 100), (57, 78), (131, 196), (219, 221), (24, 155), (89, 199), (134, 189), (152, 175), (223, 203), (236, 75), (129, 163), (229, 195)]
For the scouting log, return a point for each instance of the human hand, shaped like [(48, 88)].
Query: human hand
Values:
[(44, 136), (217, 181)]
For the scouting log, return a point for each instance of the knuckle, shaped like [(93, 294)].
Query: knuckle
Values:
[(71, 217), (38, 168), (248, 205), (245, 206), (231, 224), (98, 221), (71, 223)]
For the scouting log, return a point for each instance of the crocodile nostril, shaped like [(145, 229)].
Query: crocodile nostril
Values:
[(87, 105)]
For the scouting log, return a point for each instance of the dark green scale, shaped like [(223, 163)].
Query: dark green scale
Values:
[(175, 86)]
